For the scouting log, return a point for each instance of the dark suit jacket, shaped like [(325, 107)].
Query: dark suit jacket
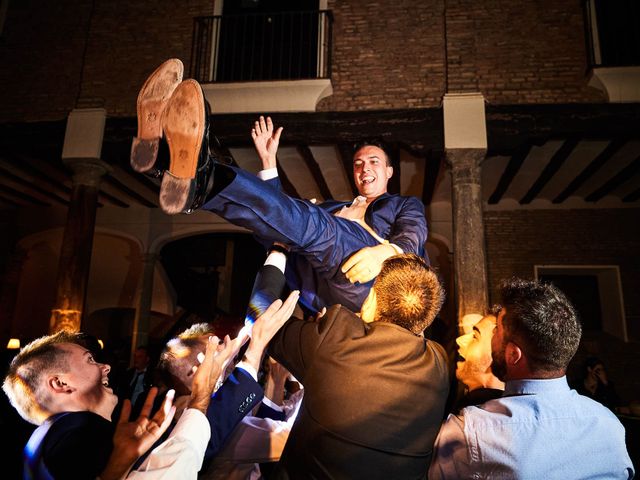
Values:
[(236, 398), (71, 445), (374, 398)]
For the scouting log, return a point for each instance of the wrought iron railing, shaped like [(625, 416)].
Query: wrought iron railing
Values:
[(613, 32), (254, 47)]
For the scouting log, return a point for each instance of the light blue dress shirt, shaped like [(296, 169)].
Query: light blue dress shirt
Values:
[(539, 429)]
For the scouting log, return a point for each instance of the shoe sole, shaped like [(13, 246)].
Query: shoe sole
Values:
[(183, 123), (152, 100)]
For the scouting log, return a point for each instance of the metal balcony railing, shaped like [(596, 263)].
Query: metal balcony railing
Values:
[(255, 47), (613, 35)]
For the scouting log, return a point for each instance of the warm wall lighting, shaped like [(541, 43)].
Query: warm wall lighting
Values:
[(14, 344), (101, 344)]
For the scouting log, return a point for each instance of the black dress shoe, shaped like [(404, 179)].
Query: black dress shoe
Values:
[(152, 101), (185, 123)]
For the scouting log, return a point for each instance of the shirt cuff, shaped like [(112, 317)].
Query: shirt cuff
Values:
[(272, 405), (268, 174), (248, 368), (277, 259)]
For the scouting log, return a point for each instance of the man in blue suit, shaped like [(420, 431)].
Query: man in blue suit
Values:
[(336, 248)]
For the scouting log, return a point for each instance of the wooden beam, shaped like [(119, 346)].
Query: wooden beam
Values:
[(346, 155), (315, 170), (595, 165), (22, 198), (633, 196), (434, 162), (28, 184), (393, 151), (557, 160), (515, 162), (614, 182)]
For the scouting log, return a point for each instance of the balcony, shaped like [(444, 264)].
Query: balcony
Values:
[(613, 42), (263, 62)]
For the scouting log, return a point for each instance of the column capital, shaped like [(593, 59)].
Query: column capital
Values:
[(461, 158), (87, 171)]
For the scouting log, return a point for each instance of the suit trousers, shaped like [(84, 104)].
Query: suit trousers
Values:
[(320, 241)]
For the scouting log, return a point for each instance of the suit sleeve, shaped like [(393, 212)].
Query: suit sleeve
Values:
[(234, 399), (296, 343), (274, 182), (409, 231), (267, 287)]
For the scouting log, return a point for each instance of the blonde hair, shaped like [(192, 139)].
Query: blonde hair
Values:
[(24, 381)]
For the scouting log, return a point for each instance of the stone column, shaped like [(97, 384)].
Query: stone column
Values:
[(80, 153), (77, 243), (141, 321), (465, 148), (469, 257)]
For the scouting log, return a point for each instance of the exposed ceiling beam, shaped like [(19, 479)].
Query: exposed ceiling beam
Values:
[(346, 155), (590, 169), (633, 196), (21, 198), (394, 157), (510, 172), (614, 182), (315, 170), (132, 182), (550, 169), (431, 173), (27, 184)]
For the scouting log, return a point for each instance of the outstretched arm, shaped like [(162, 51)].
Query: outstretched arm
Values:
[(266, 141)]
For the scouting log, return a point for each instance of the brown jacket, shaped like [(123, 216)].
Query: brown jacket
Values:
[(374, 398)]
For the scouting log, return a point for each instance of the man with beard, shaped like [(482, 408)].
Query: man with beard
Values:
[(474, 368), (540, 428)]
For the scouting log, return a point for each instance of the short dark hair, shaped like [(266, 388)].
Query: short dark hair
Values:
[(408, 293), (541, 320), (372, 142)]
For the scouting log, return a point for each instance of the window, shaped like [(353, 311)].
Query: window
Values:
[(255, 40), (595, 291), (612, 32)]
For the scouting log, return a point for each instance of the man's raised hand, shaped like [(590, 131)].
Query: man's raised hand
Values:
[(266, 141)]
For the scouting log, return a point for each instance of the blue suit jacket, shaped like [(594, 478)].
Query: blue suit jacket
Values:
[(234, 399), (319, 242), (396, 218)]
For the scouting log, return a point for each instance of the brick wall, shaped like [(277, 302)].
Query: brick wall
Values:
[(518, 240), (41, 53), (43, 48), (393, 55), (518, 52), (386, 55), (129, 40)]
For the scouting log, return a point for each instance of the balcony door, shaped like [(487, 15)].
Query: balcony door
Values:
[(268, 40)]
